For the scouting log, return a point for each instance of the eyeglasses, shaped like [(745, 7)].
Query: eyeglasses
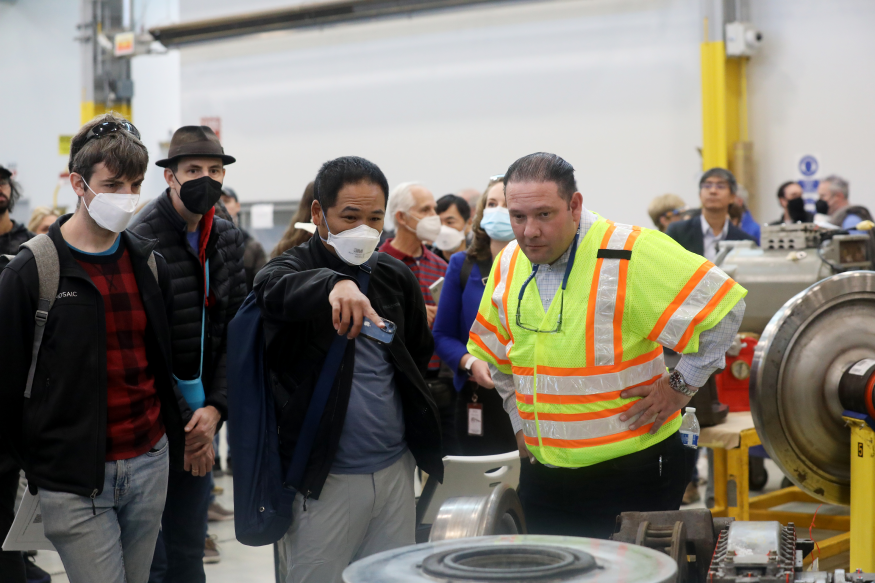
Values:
[(717, 185), (110, 127), (568, 268)]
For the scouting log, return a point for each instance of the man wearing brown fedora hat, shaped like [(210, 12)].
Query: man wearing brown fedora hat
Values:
[(205, 257)]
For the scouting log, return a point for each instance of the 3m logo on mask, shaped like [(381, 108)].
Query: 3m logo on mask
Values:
[(63, 295)]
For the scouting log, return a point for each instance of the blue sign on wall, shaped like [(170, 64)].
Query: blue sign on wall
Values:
[(808, 166)]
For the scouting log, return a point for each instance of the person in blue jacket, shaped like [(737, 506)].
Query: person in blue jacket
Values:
[(482, 425)]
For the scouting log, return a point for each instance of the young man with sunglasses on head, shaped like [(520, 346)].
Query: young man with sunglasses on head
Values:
[(576, 312), (205, 257), (99, 425)]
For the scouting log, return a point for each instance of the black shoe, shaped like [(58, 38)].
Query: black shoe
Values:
[(34, 574)]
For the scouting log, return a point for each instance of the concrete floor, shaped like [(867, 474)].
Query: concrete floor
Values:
[(255, 564)]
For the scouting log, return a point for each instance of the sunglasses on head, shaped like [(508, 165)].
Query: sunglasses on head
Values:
[(110, 127)]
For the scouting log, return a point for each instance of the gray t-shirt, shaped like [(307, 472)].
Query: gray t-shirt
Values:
[(373, 432)]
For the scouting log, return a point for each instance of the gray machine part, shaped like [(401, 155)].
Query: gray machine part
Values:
[(691, 546), (765, 551), (499, 513), (810, 344), (515, 559), (788, 262)]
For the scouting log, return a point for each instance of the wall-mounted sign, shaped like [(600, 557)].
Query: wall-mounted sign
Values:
[(123, 44), (214, 123)]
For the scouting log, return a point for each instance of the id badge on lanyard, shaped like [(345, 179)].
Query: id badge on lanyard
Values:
[(475, 416)]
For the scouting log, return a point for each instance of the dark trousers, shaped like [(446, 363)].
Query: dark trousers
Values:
[(587, 501), (444, 395), (11, 562), (179, 552), (498, 436)]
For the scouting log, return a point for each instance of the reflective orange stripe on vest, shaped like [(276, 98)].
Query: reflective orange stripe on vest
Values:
[(699, 297), (588, 386), (503, 277), (490, 339), (568, 442), (607, 299)]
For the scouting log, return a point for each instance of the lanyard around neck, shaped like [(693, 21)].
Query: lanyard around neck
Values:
[(568, 267)]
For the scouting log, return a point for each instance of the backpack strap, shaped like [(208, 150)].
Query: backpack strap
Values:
[(48, 270), (321, 392), (465, 273), (484, 266), (153, 265)]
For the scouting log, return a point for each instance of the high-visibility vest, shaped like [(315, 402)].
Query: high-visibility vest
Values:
[(619, 310)]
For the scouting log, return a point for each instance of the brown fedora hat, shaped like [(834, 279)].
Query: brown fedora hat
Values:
[(194, 141)]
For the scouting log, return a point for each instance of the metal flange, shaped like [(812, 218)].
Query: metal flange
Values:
[(798, 365)]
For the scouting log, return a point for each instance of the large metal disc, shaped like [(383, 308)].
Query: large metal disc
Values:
[(795, 376), (517, 559)]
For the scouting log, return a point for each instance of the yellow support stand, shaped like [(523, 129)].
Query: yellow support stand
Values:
[(862, 535)]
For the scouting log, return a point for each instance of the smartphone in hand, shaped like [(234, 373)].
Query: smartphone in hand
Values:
[(377, 334)]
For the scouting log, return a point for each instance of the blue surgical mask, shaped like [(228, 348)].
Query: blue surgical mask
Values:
[(496, 223)]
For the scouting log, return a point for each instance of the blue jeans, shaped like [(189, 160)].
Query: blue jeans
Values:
[(179, 552), (113, 541)]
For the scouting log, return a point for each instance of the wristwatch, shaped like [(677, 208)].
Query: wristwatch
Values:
[(470, 364), (676, 381)]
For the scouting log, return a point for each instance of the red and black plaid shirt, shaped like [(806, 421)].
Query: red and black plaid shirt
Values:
[(133, 410), (428, 268)]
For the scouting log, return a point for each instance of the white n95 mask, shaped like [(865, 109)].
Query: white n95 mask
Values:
[(354, 246), (449, 238), (112, 210), (428, 228)]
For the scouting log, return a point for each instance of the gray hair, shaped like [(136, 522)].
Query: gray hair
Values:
[(400, 199), (837, 185)]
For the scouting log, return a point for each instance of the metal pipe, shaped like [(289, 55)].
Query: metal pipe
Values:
[(303, 16)]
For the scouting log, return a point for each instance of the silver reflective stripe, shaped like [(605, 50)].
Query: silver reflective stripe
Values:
[(606, 299), (498, 292), (592, 384), (530, 428), (571, 430), (490, 340), (697, 300)]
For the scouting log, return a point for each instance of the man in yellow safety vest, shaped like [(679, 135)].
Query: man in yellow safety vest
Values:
[(572, 324)]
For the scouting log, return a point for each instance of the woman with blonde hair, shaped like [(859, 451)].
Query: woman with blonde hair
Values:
[(297, 233), (464, 284), (41, 219)]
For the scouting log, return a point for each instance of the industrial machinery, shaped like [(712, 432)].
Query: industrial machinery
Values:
[(792, 257), (811, 395)]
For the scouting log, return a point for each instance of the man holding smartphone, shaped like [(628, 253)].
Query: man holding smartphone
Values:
[(356, 496)]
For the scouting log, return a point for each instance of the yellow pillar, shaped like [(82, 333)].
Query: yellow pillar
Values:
[(90, 109), (724, 111), (862, 495)]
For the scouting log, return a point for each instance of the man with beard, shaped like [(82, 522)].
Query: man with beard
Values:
[(12, 234), (205, 257)]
